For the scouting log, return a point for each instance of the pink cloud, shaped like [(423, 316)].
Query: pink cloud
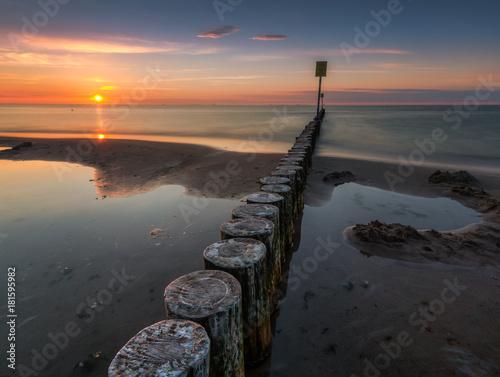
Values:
[(270, 37), (220, 32)]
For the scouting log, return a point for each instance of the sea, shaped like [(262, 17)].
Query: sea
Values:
[(90, 272), (445, 136)]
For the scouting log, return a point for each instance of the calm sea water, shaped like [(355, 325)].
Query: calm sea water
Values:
[(389, 133)]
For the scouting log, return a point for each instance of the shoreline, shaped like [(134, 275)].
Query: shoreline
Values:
[(124, 158)]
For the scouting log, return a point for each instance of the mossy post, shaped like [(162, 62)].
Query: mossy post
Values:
[(212, 299), (171, 348), (262, 230), (266, 211), (286, 192), (245, 259)]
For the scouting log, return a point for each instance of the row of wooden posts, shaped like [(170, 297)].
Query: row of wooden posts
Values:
[(219, 319)]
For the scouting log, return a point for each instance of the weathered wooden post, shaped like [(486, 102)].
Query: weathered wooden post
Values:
[(286, 192), (212, 299), (302, 153), (300, 174), (286, 161), (274, 181), (301, 183), (171, 348), (266, 211), (295, 160), (305, 140), (292, 176), (244, 258), (273, 199), (262, 230), (302, 146)]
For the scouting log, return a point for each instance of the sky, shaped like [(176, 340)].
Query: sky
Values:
[(248, 52)]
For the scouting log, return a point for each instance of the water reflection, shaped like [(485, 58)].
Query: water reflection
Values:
[(67, 246), (326, 326), (361, 204)]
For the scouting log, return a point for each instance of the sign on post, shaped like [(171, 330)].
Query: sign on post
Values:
[(321, 68)]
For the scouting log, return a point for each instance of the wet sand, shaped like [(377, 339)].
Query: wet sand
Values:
[(129, 167)]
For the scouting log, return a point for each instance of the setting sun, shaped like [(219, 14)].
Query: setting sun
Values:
[(101, 136), (98, 98)]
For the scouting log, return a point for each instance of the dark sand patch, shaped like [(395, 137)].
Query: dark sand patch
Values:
[(477, 246)]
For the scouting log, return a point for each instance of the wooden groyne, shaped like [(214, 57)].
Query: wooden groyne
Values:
[(218, 320)]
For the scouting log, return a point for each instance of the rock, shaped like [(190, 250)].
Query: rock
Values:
[(338, 178), (461, 176), (391, 233), (349, 285), (25, 144), (475, 192)]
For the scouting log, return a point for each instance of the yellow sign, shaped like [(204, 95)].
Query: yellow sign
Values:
[(321, 69)]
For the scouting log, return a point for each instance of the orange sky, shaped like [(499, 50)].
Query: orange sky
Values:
[(187, 62)]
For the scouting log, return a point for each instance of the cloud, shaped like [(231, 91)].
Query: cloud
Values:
[(369, 51), (258, 58), (35, 59), (104, 44), (111, 45), (405, 66), (109, 88), (270, 37), (217, 78), (220, 32)]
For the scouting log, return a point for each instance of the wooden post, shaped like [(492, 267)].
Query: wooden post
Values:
[(172, 348), (245, 259), (262, 230), (212, 299), (302, 153), (274, 181), (286, 192), (301, 183), (302, 146), (286, 161), (300, 161), (301, 174), (292, 176), (266, 211), (319, 96)]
